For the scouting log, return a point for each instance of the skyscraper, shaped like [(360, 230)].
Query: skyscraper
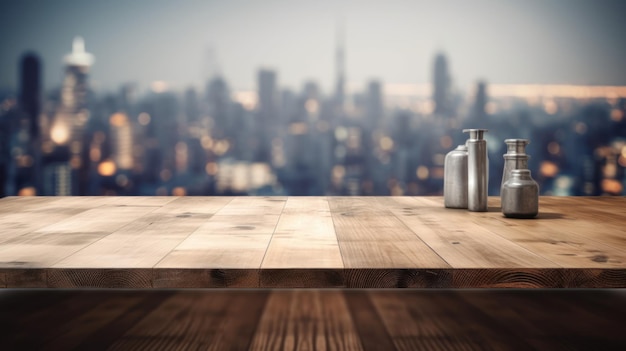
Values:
[(68, 127), (340, 71), (30, 105), (75, 88), (374, 104), (441, 86), (480, 102), (30, 91), (267, 112), (219, 104)]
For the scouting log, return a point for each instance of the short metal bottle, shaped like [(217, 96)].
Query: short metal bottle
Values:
[(520, 195), (455, 178), (515, 158), (477, 170)]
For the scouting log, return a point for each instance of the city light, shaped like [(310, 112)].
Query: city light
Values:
[(60, 133), (107, 168), (386, 143), (143, 119), (548, 169), (422, 172)]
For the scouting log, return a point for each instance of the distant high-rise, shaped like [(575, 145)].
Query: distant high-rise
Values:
[(340, 70), (191, 105), (75, 88), (30, 91), (268, 95), (374, 104), (441, 86), (78, 63), (267, 112), (480, 102), (30, 105), (68, 127), (219, 103)]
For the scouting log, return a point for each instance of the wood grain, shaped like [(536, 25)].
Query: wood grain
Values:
[(304, 238), (189, 321), (306, 320), (458, 240), (218, 251), (282, 242), (313, 319), (99, 278), (145, 241), (169, 278)]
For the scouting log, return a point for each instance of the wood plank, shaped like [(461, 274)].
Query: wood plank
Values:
[(437, 321), (188, 320), (557, 241), (248, 205), (147, 240), (71, 334), (302, 253), (45, 323), (105, 336), (239, 325), (460, 242), (239, 224), (304, 239), (367, 321), (306, 320), (306, 218), (218, 251), (364, 219), (272, 328), (48, 245), (23, 215), (390, 254)]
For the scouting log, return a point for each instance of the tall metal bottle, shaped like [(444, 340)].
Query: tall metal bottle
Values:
[(455, 178), (477, 170)]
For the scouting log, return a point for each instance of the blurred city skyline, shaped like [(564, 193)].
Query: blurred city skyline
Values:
[(294, 99), (184, 43)]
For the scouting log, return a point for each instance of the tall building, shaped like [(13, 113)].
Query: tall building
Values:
[(340, 71), (441, 86), (219, 104), (480, 102), (121, 141), (374, 104), (267, 109), (30, 105), (30, 91), (75, 90), (68, 127)]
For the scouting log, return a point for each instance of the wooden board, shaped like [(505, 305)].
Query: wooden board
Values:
[(283, 242)]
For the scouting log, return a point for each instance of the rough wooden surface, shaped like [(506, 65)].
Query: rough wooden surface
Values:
[(313, 320), (309, 242)]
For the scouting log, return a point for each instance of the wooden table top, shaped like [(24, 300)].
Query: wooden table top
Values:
[(283, 242)]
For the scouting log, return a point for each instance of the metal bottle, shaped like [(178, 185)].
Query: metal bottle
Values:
[(515, 158), (520, 195), (477, 170), (455, 178)]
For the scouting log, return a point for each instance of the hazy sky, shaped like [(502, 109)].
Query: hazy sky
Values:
[(526, 41)]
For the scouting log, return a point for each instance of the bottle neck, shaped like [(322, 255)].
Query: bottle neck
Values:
[(521, 174)]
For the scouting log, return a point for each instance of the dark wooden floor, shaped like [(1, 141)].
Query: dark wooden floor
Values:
[(313, 320)]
